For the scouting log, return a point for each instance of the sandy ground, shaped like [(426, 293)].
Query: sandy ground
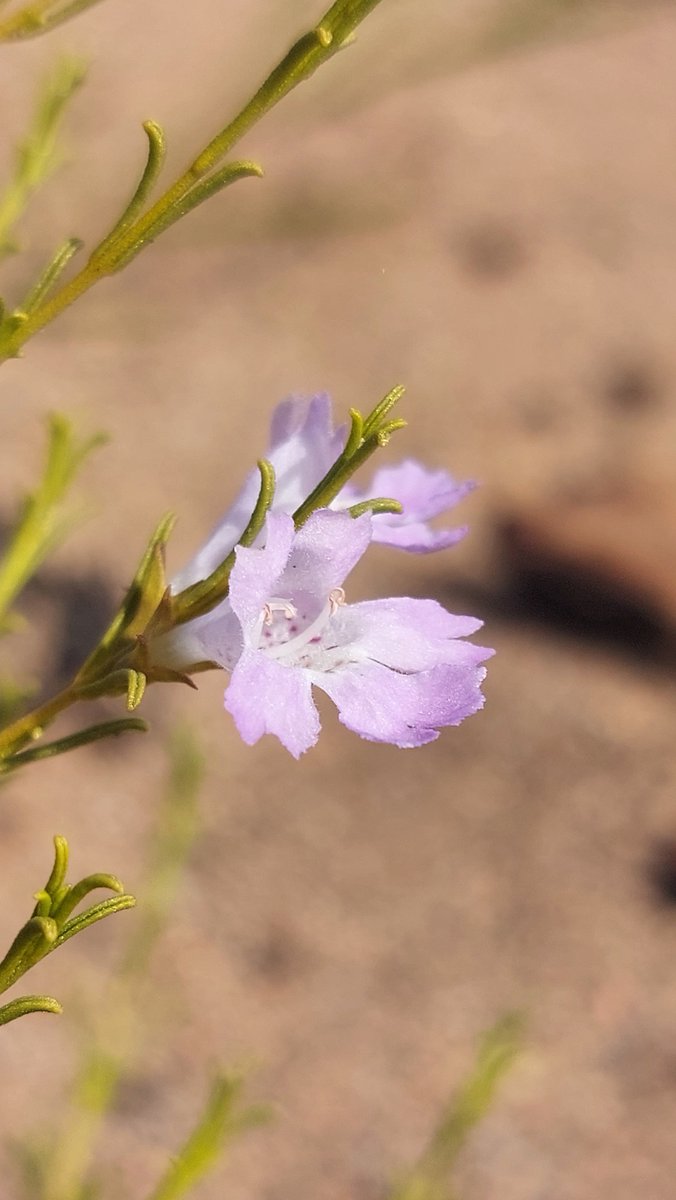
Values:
[(483, 209)]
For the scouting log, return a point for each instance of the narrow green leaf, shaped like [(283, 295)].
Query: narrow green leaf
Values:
[(36, 156), (84, 737), (201, 191), (219, 1123), (356, 434), (380, 505), (51, 275), (43, 520), (155, 159), (375, 419), (58, 874), (430, 1179), (28, 1004), (77, 893), (98, 912)]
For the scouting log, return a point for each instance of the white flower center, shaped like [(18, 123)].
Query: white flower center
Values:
[(287, 628)]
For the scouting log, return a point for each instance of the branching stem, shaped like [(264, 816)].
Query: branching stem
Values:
[(203, 177)]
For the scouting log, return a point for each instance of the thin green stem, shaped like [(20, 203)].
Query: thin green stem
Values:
[(32, 724), (220, 1121), (36, 154), (40, 290), (339, 474), (84, 737), (38, 17), (42, 523), (118, 248), (117, 1035)]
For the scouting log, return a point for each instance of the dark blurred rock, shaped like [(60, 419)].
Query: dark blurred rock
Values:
[(662, 871), (491, 251), (600, 564), (632, 387)]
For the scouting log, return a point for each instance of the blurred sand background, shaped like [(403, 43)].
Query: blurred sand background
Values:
[(478, 200)]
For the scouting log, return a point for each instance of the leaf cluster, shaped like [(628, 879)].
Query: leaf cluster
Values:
[(52, 922)]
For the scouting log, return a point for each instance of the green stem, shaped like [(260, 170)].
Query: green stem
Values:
[(84, 737), (303, 59), (36, 155), (31, 725), (38, 17), (340, 473)]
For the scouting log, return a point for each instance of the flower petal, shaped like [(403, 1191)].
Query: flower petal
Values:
[(416, 537), (218, 634), (265, 697), (256, 574), (406, 634), (423, 494), (407, 710), (215, 637), (325, 550), (303, 445)]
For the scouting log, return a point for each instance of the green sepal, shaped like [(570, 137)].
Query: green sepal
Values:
[(168, 675), (143, 598)]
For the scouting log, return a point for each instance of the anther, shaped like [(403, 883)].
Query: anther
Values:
[(336, 598), (274, 606)]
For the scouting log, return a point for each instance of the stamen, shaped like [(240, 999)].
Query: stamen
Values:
[(275, 605), (312, 633), (336, 598)]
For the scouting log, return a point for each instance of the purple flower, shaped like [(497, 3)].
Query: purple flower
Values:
[(422, 494), (303, 445), (397, 670)]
